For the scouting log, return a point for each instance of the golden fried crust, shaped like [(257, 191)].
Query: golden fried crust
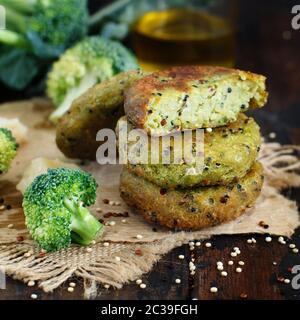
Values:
[(139, 94), (100, 107), (191, 209)]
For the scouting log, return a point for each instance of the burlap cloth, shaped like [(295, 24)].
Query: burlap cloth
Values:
[(20, 258)]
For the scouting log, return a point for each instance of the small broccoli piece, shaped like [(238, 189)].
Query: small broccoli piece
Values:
[(55, 208), (89, 62), (56, 23), (8, 149)]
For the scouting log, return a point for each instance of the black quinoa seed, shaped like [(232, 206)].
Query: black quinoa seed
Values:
[(185, 98), (163, 191), (224, 199)]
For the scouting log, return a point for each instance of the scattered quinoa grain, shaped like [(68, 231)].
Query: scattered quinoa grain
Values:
[(280, 279), (272, 135), (139, 236), (181, 256), (241, 263), (233, 254), (268, 239), (34, 296), (292, 246), (208, 244), (177, 281), (89, 249), (70, 289), (295, 250), (106, 244), (112, 223), (138, 252), (106, 286), (243, 295), (224, 274), (31, 283), (230, 262), (213, 289), (118, 258), (198, 243), (139, 281), (287, 281), (220, 267), (238, 270), (142, 285)]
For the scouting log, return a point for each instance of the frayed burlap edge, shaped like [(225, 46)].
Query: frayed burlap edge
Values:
[(19, 260)]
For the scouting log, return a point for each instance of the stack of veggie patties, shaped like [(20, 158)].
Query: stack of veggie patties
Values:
[(190, 98)]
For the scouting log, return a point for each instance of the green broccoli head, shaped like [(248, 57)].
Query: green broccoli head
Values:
[(59, 23), (55, 208), (45, 27), (8, 149), (91, 61)]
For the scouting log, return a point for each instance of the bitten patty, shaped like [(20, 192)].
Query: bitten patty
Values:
[(191, 97), (229, 153), (100, 107), (191, 209)]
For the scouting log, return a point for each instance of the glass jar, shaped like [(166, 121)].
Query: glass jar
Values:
[(190, 32)]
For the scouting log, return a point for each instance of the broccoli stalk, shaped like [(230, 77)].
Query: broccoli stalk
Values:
[(14, 39), (84, 84), (55, 208), (23, 6), (83, 225)]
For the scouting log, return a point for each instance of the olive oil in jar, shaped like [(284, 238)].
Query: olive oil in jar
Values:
[(182, 37)]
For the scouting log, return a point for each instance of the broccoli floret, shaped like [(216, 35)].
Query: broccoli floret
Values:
[(47, 27), (8, 149), (91, 61), (55, 208)]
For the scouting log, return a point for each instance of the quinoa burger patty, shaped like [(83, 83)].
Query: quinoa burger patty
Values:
[(191, 208), (229, 153), (192, 97), (100, 107)]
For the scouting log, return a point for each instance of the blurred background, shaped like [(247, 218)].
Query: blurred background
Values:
[(252, 35)]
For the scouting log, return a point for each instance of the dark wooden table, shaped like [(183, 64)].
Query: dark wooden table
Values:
[(268, 45)]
